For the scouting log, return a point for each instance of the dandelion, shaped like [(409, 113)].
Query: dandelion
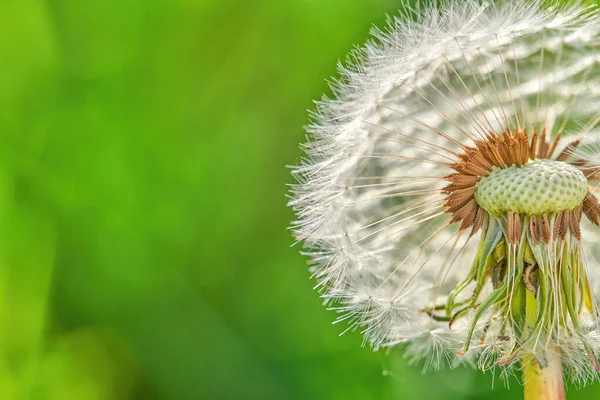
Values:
[(448, 198)]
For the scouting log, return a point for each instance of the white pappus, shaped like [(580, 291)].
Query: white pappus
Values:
[(412, 236)]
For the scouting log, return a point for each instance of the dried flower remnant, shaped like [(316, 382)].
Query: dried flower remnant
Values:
[(449, 194)]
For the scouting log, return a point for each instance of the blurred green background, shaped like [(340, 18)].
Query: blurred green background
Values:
[(143, 244)]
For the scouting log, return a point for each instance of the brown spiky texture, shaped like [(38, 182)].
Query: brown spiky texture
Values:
[(515, 149)]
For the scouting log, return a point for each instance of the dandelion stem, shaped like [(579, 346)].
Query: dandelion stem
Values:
[(543, 379), (543, 383)]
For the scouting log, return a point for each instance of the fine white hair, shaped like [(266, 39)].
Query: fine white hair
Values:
[(368, 195)]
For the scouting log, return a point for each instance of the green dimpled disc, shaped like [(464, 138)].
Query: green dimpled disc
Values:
[(540, 186)]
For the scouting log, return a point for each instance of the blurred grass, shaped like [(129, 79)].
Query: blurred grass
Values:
[(143, 243)]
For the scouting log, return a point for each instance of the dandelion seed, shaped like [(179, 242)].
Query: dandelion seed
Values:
[(449, 193)]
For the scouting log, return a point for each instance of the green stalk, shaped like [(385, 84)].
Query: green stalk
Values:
[(542, 382)]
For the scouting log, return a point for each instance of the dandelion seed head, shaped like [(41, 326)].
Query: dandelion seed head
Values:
[(452, 180)]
